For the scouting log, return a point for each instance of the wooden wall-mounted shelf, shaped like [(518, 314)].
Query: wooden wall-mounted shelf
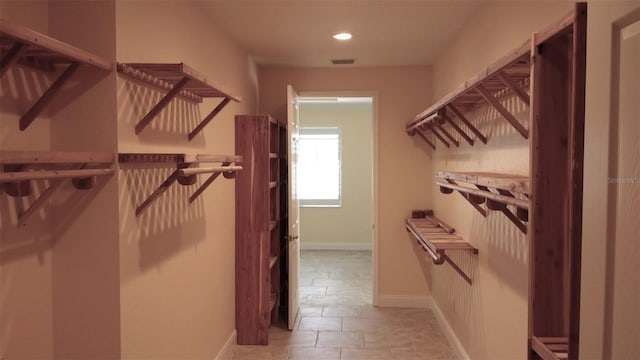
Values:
[(30, 48), (179, 80), (511, 190), (21, 167), (185, 173), (510, 73), (436, 238), (551, 348)]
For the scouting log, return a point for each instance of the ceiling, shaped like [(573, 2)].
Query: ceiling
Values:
[(298, 32)]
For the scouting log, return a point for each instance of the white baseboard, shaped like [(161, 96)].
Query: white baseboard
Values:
[(448, 331), (230, 341), (335, 246), (404, 301)]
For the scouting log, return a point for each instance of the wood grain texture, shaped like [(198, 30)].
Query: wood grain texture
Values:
[(47, 48), (257, 233), (515, 64)]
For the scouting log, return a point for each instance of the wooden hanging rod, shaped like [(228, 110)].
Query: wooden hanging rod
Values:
[(524, 204), (510, 182), (505, 184), (207, 170), (435, 238), (183, 174)]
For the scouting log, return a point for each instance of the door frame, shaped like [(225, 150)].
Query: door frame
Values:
[(375, 175)]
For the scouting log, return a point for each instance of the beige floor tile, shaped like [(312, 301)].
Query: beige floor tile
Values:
[(366, 354), (339, 290), (310, 310), (408, 334), (320, 323), (363, 325), (340, 339), (251, 352), (312, 290), (283, 337), (325, 300), (342, 310), (337, 283), (388, 341), (310, 353)]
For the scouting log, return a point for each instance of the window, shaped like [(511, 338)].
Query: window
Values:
[(319, 166)]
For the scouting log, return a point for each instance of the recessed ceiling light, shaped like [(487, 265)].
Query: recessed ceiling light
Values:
[(342, 36)]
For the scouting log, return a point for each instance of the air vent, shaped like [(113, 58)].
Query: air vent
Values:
[(343, 61)]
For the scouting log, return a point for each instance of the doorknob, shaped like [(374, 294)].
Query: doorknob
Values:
[(292, 238)]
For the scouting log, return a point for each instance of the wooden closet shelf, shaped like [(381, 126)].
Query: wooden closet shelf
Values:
[(37, 47), (479, 192), (185, 173), (551, 348), (508, 182), (178, 158), (511, 73), (19, 168), (53, 157), (177, 79), (21, 45), (434, 237)]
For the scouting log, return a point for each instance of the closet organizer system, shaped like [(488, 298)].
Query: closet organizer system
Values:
[(39, 52), (261, 227), (547, 205)]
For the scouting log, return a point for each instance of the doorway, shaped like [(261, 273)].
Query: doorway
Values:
[(336, 185)]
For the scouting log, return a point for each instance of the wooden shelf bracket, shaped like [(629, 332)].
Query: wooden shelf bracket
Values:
[(24, 46), (22, 167), (178, 80), (185, 172), (481, 193), (436, 238), (503, 76)]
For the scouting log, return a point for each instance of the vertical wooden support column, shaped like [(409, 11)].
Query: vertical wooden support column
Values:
[(252, 232), (557, 142), (576, 153)]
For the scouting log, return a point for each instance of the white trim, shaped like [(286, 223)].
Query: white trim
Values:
[(449, 333), (404, 301), (335, 246), (230, 341)]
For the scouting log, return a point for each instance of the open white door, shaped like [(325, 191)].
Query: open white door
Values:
[(294, 204)]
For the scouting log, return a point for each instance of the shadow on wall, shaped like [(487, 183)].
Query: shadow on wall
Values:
[(41, 233), (168, 225), (173, 123), (24, 86), (424, 259)]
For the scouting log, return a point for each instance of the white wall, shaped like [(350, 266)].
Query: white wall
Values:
[(348, 226)]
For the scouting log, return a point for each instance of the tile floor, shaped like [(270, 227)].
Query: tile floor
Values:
[(337, 320)]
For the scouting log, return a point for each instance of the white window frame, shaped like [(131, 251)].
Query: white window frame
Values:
[(317, 130)]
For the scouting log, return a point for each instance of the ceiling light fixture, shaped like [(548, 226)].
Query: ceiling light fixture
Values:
[(342, 36)]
